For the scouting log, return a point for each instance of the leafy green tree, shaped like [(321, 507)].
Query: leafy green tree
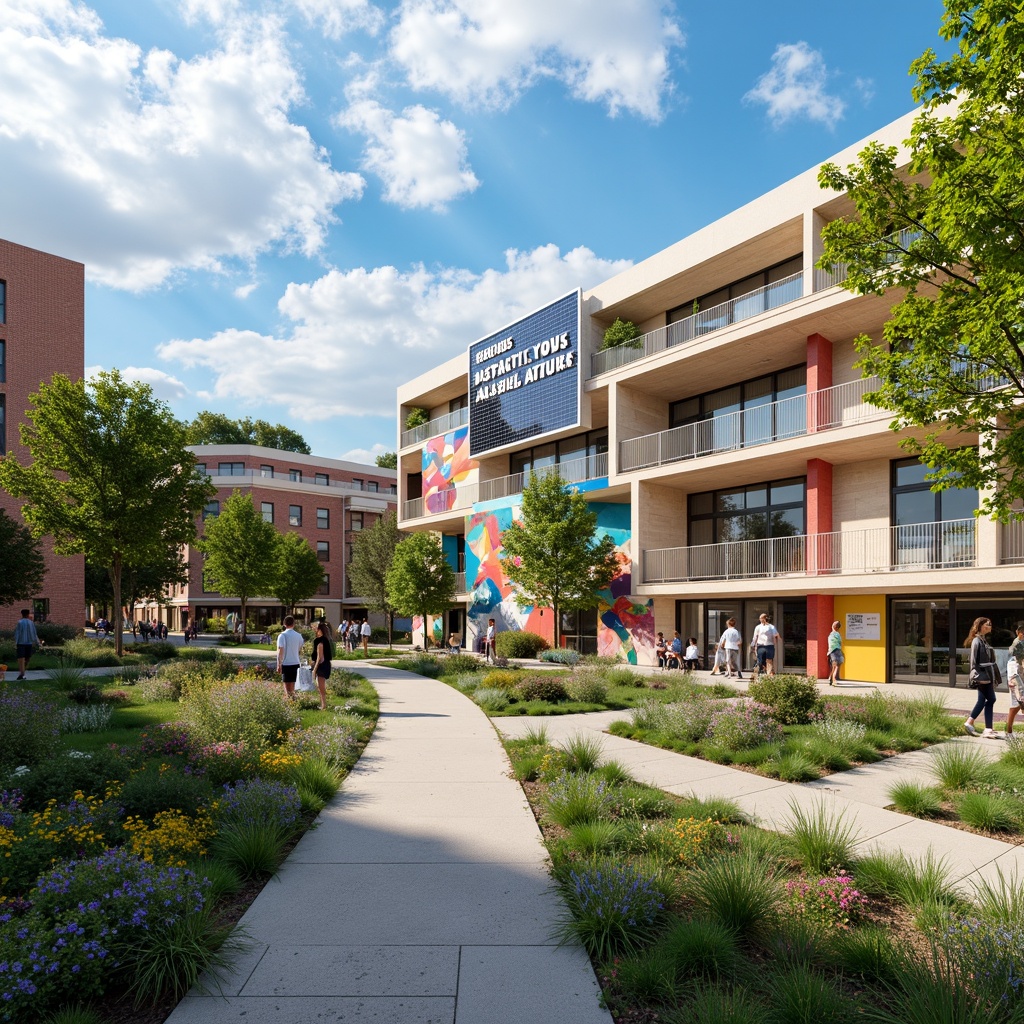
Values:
[(299, 572), (372, 556), (944, 234), (621, 333), (138, 583), (241, 550), (216, 428), (22, 568), (109, 475), (552, 554), (420, 580), (389, 460)]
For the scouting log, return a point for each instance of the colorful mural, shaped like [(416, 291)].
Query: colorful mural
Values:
[(447, 469), (625, 623)]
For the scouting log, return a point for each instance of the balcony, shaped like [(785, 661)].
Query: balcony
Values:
[(576, 471), (836, 274), (441, 425), (697, 325), (922, 546), (460, 583), (249, 477), (828, 409)]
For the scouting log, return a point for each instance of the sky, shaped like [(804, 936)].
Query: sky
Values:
[(287, 208)]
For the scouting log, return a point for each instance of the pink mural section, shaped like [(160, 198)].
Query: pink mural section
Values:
[(447, 471)]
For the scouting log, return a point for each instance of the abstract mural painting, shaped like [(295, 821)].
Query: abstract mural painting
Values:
[(448, 472)]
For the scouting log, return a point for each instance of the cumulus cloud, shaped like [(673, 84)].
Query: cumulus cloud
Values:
[(165, 387), (795, 87), (140, 164), (350, 330), (488, 51), (338, 17), (420, 159), (365, 456)]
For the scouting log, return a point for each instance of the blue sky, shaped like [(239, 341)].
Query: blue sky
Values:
[(286, 208)]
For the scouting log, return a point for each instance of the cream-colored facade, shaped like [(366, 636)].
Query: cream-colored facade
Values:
[(742, 470)]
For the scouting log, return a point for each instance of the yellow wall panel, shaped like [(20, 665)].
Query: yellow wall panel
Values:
[(865, 659)]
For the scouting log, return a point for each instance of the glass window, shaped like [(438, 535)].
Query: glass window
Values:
[(267, 471), (322, 479), (356, 521), (294, 515), (749, 513), (3, 362), (295, 476), (357, 483), (3, 302), (393, 489), (323, 550), (325, 586), (201, 468), (267, 508), (323, 518), (212, 508), (371, 485), (231, 468), (462, 402)]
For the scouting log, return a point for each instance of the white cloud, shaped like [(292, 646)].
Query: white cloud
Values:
[(338, 17), (488, 51), (140, 164), (243, 291), (366, 456), (420, 158), (165, 387), (796, 87), (866, 88), (355, 335)]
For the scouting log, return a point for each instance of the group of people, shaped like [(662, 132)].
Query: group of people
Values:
[(289, 656), (671, 654), (727, 650), (984, 676), (352, 632)]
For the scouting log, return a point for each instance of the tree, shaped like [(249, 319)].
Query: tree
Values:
[(372, 556), (110, 475), (420, 580), (947, 234), (300, 574), (216, 428), (389, 460), (241, 550), (22, 569), (552, 554), (138, 583)]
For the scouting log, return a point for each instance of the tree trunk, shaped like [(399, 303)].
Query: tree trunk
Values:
[(244, 603), (391, 629), (115, 583), (425, 648)]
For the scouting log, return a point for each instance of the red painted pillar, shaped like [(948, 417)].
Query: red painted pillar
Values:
[(820, 559), (819, 377), (820, 616)]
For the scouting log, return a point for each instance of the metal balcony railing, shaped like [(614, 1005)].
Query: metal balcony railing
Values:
[(838, 406), (460, 583), (251, 475), (945, 545), (1011, 543), (836, 274), (441, 425), (703, 322)]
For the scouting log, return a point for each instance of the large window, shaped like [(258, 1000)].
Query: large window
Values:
[(774, 509), (581, 451), (295, 476), (212, 508), (294, 515), (322, 479), (932, 528), (371, 485), (231, 468), (267, 471), (323, 519), (757, 411), (267, 508)]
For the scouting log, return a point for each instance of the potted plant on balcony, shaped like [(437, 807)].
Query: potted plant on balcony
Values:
[(621, 334), (416, 417)]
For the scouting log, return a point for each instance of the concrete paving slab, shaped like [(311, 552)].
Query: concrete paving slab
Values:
[(491, 989), (445, 799), (315, 1010), (735, 785), (356, 971)]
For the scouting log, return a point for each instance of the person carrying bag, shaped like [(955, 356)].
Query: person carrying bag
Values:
[(984, 676)]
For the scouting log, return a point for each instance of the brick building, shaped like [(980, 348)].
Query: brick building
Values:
[(42, 332), (327, 501)]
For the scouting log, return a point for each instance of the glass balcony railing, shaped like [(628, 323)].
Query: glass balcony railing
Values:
[(440, 425)]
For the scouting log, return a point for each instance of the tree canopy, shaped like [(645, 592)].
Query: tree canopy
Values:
[(216, 428), (420, 580), (22, 568), (946, 234), (241, 550), (109, 475), (300, 573), (387, 460), (373, 554), (552, 554)]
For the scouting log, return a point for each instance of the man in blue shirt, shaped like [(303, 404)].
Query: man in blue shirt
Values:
[(25, 638)]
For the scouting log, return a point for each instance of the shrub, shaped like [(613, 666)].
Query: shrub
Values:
[(87, 718), (842, 732), (958, 766), (697, 839), (621, 675), (832, 900), (456, 663), (225, 762), (467, 682), (991, 812), (335, 742), (684, 720), (173, 838), (792, 698), (153, 789), (743, 724), (823, 841), (255, 713), (614, 908), (560, 656), (87, 651), (989, 957), (155, 650), (573, 798), (502, 679), (587, 687), (582, 752), (54, 633), (155, 689), (740, 891), (622, 333), (700, 949), (342, 683), (86, 692), (518, 643), (491, 699), (541, 688), (913, 798), (258, 801), (423, 665), (29, 732)]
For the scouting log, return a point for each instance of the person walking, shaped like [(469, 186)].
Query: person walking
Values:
[(289, 652), (835, 654), (489, 638), (731, 642), (25, 640), (984, 676), (763, 642), (365, 632), (323, 652), (1015, 676)]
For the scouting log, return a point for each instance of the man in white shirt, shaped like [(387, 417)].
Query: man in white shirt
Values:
[(489, 640), (364, 632), (289, 654), (730, 643), (766, 636)]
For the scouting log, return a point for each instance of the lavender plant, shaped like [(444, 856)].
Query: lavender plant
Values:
[(258, 802), (743, 724)]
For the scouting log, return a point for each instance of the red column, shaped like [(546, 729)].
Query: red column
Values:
[(819, 376), (820, 616)]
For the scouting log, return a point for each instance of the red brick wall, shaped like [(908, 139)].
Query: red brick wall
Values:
[(44, 329)]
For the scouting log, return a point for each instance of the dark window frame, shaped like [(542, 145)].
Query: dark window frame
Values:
[(294, 517), (264, 506), (323, 518)]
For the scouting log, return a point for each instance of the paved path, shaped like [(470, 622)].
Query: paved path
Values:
[(422, 895)]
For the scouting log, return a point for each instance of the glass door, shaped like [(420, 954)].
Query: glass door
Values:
[(921, 641)]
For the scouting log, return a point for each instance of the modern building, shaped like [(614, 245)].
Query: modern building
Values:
[(729, 452), (326, 501), (42, 333)]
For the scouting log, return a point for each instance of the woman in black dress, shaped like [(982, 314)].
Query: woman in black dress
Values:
[(322, 654)]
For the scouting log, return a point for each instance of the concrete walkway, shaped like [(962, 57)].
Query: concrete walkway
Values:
[(422, 895)]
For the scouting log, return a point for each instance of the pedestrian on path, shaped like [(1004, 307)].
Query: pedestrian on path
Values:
[(1014, 677), (984, 676), (731, 643), (25, 640), (489, 638), (365, 632), (835, 654), (323, 652), (289, 651), (763, 642)]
